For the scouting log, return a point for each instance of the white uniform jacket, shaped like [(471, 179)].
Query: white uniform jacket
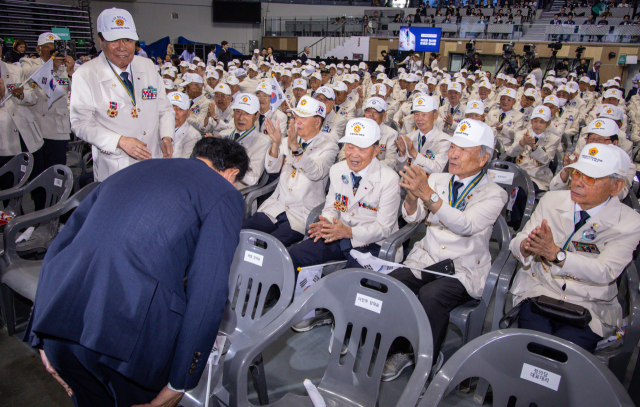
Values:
[(334, 125), (432, 156), (53, 122), (95, 89), (458, 116), (184, 139), (372, 212), (273, 115), (512, 123), (588, 276), (460, 235), (256, 145), (302, 180), (199, 111), (15, 117), (536, 163)]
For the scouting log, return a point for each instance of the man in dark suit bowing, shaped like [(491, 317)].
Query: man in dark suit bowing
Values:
[(113, 316)]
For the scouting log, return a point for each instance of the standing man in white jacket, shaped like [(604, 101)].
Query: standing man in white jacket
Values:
[(117, 104)]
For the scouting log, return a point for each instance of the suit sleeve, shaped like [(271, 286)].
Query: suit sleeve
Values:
[(536, 220), (474, 219), (83, 122), (329, 211), (207, 289), (516, 149), (546, 154)]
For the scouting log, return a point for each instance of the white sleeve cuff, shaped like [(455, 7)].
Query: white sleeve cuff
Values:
[(170, 387)]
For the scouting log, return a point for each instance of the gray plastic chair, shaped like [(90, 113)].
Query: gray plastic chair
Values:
[(520, 179), (632, 201), (253, 196), (74, 153), (261, 182), (502, 357), (469, 318), (57, 183), (245, 313), (20, 276), (20, 166), (350, 381)]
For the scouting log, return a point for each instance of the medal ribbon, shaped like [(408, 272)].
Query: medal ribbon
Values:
[(243, 135), (465, 192), (132, 97)]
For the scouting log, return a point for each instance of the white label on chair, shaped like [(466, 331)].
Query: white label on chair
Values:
[(23, 168), (540, 376), (370, 303), (57, 182), (501, 177), (254, 258)]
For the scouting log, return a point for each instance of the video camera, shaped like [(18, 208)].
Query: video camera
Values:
[(507, 51), (555, 46), (579, 51)]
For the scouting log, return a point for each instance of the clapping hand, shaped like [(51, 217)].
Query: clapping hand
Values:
[(415, 181), (332, 232), (540, 242), (315, 229), (528, 140)]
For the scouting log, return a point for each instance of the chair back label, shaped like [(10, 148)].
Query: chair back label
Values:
[(370, 303), (540, 376), (254, 258), (501, 177)]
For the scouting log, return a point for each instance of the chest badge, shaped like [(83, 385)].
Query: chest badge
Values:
[(113, 109)]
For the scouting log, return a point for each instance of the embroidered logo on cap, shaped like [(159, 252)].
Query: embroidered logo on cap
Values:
[(50, 37), (609, 111), (245, 99), (598, 124), (176, 97), (463, 127), (119, 22), (357, 129), (541, 111), (474, 105), (593, 151), (420, 101), (303, 102)]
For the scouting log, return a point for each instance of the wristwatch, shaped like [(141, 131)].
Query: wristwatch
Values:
[(432, 199), (560, 257), (298, 152)]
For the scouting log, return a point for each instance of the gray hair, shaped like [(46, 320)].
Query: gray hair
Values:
[(615, 176), (485, 150)]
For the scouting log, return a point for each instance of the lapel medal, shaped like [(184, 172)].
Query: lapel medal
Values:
[(589, 234), (293, 173), (345, 180), (113, 109), (134, 112)]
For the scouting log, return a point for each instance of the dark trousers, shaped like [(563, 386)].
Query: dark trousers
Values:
[(93, 384), (6, 181), (632, 92), (281, 230), (583, 337), (517, 211), (438, 296), (54, 152), (310, 253)]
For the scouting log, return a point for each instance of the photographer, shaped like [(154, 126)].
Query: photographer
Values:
[(536, 71)]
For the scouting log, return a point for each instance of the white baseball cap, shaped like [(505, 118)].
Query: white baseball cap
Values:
[(475, 106), (264, 86), (485, 84), (349, 78), (316, 75), (361, 132), (212, 74), (380, 68), (340, 87), (603, 127), (573, 86), (223, 88), (326, 92), (625, 161), (551, 99), (47, 38), (512, 81), (432, 81), (192, 67), (256, 51), (563, 88), (201, 64), (531, 93), (542, 112), (169, 72), (424, 103), (612, 93), (239, 73), (473, 133), (454, 86), (421, 87), (247, 102), (376, 103), (286, 72), (412, 78), (592, 82), (379, 88), (308, 107), (299, 84), (548, 86), (501, 76), (610, 112), (191, 78), (599, 160), (116, 23), (232, 80), (508, 92), (585, 79), (168, 84), (179, 99)]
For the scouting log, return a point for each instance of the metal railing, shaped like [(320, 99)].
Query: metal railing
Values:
[(591, 33)]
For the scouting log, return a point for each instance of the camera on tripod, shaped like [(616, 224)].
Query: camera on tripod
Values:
[(579, 51), (556, 46), (507, 50)]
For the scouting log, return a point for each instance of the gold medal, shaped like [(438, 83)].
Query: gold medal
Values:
[(112, 112), (134, 112), (293, 174)]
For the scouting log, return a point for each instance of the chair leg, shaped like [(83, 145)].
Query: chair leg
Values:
[(8, 309), (259, 380), (481, 391)]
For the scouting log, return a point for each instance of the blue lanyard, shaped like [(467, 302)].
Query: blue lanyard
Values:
[(466, 191)]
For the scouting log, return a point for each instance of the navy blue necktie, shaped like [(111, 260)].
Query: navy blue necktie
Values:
[(236, 136), (522, 110), (127, 82), (502, 116), (304, 145), (456, 187), (584, 216), (423, 140), (337, 108), (356, 182), (261, 120)]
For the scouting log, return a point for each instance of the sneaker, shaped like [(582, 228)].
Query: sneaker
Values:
[(324, 318), (436, 366), (394, 366)]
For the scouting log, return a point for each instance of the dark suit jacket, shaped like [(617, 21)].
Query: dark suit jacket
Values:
[(224, 56), (303, 58), (595, 77), (113, 279)]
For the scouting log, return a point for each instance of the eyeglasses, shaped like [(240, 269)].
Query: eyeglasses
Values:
[(576, 175)]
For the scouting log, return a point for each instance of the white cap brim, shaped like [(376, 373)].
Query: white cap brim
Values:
[(361, 142), (591, 170), (120, 34), (464, 142)]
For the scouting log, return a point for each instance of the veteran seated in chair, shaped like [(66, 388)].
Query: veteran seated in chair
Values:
[(574, 247), (460, 208)]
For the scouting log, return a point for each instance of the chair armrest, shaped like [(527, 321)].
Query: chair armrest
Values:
[(18, 223), (504, 281), (264, 178), (619, 363), (85, 161), (392, 243), (252, 196)]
